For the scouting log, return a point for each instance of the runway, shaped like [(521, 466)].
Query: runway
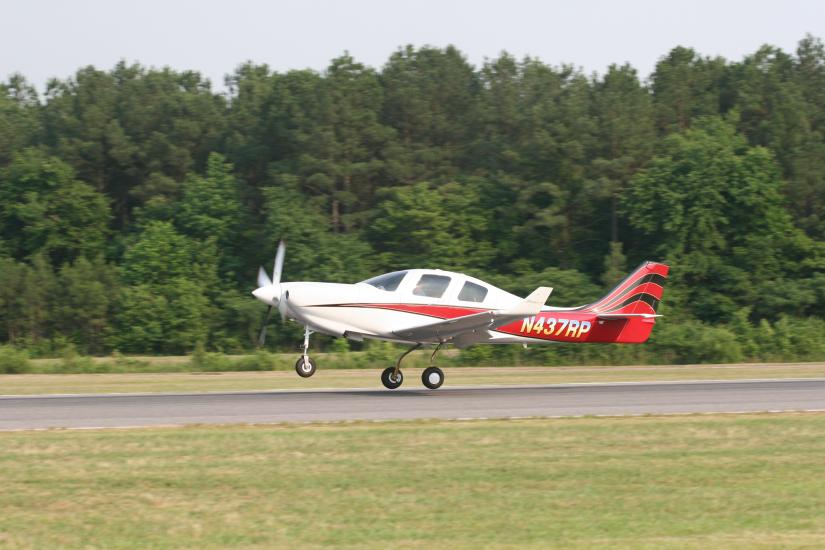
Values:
[(133, 410)]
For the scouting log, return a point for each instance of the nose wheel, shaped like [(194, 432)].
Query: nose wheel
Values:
[(305, 366)]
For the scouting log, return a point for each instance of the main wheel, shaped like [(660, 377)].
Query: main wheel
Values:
[(432, 377), (305, 369), (390, 380)]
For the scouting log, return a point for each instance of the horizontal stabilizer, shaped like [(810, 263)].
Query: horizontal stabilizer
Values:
[(627, 315), (533, 303)]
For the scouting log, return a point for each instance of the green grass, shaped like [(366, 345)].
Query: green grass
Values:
[(750, 481), (27, 384)]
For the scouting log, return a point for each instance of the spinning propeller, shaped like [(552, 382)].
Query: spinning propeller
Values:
[(269, 290)]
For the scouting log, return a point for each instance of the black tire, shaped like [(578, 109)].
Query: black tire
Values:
[(305, 371), (389, 380), (432, 377)]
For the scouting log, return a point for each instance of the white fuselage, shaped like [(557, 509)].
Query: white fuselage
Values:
[(362, 310)]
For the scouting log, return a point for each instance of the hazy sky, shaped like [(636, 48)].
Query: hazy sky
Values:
[(43, 38)]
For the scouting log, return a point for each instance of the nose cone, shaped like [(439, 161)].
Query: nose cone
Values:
[(268, 294)]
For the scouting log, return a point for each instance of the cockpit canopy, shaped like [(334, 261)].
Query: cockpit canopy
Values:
[(430, 285)]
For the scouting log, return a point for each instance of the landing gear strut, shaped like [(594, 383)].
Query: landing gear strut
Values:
[(392, 377), (305, 367)]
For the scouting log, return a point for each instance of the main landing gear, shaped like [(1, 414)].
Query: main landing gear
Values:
[(432, 377), (305, 366)]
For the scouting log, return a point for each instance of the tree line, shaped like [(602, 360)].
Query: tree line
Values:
[(137, 203)]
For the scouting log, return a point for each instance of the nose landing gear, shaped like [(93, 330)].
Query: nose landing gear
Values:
[(305, 366)]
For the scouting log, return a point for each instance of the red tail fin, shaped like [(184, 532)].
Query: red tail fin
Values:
[(640, 292)]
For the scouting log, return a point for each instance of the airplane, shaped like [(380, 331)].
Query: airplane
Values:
[(422, 307)]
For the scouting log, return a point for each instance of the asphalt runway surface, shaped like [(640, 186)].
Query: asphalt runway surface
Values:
[(132, 410)]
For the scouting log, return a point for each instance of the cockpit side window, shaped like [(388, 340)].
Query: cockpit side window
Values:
[(388, 281), (472, 292), (432, 286)]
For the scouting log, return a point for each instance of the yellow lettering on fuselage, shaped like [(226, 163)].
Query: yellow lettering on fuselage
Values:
[(564, 323), (551, 326), (527, 324)]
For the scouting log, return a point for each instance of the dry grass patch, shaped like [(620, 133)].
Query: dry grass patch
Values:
[(28, 384)]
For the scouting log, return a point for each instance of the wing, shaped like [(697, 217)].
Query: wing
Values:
[(443, 331)]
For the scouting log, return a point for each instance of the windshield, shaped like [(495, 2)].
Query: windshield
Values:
[(388, 281)]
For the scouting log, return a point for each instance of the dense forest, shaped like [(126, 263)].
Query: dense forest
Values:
[(136, 204)]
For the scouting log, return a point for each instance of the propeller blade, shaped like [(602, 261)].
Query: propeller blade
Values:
[(279, 263), (283, 307), (263, 278), (262, 335)]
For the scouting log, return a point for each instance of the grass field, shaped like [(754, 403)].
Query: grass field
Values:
[(738, 481), (27, 384)]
